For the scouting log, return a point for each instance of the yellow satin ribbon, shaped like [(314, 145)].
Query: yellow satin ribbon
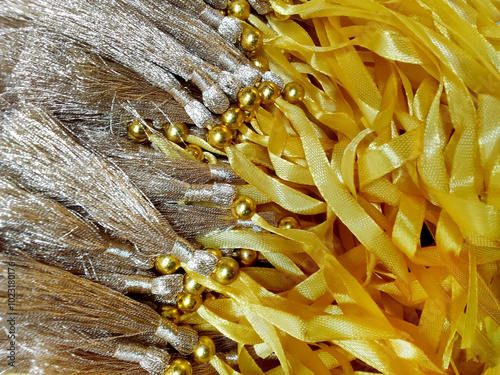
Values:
[(398, 130)]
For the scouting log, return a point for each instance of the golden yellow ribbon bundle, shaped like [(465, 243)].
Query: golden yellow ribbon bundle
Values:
[(399, 131)]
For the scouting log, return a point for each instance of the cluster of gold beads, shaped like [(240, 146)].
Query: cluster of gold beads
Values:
[(190, 299), (203, 352), (249, 100), (176, 132)]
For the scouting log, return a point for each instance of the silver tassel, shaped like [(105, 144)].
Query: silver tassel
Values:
[(99, 23), (131, 156), (228, 27), (55, 305), (42, 157), (61, 75)]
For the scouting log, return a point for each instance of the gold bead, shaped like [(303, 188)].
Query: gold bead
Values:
[(196, 151), (215, 251), (167, 264), (171, 313), (204, 349), (233, 117), (243, 207), (180, 366), (188, 303), (192, 287), (176, 132), (248, 98), (289, 222), (239, 9), (260, 62), (293, 93), (268, 92), (136, 132), (247, 257), (251, 39), (220, 136), (227, 271)]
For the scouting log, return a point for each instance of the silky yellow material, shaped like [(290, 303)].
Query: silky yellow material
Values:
[(399, 130)]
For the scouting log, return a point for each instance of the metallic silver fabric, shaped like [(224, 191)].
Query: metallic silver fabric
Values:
[(261, 6), (230, 29), (218, 4), (273, 77), (154, 360), (63, 76), (43, 157), (224, 173), (203, 262), (64, 310), (51, 233), (223, 194), (168, 286), (137, 46), (183, 339)]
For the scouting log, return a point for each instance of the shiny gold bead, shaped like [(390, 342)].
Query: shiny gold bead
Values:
[(233, 117), (243, 207), (171, 313), (196, 151), (251, 39), (180, 366), (192, 287), (247, 257), (268, 92), (215, 251), (136, 132), (167, 264), (289, 222), (260, 62), (227, 271), (293, 92), (176, 132), (220, 136), (204, 349), (239, 9), (188, 303), (249, 99)]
